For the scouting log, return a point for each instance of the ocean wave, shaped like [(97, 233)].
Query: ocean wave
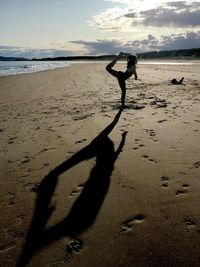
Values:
[(20, 67)]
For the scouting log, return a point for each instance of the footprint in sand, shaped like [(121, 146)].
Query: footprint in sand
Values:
[(11, 140), (196, 164), (9, 199), (161, 121), (77, 191), (150, 159), (130, 222), (74, 246), (152, 134), (165, 181), (26, 159), (139, 146), (6, 247), (189, 224), (159, 103), (13, 232), (183, 190), (185, 186), (80, 141), (145, 156), (35, 188), (20, 218)]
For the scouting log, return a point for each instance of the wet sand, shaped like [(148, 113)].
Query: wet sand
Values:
[(83, 184)]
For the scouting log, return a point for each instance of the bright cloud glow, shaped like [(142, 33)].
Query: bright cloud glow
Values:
[(113, 19)]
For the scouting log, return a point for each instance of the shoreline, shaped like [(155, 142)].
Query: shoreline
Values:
[(141, 62)]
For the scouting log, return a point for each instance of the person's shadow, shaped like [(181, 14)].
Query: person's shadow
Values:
[(85, 209)]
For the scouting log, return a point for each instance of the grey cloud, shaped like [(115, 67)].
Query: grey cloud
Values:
[(131, 15), (182, 4), (150, 40), (165, 42), (14, 51), (100, 47), (189, 39), (2, 47), (173, 14), (181, 41)]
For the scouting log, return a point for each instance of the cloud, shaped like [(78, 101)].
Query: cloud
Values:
[(174, 14), (149, 43), (113, 19), (15, 51), (100, 47), (180, 41), (190, 39)]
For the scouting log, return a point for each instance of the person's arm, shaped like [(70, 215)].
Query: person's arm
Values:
[(135, 74), (119, 149)]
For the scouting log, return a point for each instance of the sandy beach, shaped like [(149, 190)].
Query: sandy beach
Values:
[(84, 184)]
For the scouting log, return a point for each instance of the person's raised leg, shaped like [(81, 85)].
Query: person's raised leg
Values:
[(111, 65), (181, 80)]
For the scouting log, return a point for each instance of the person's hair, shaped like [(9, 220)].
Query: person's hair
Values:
[(131, 60)]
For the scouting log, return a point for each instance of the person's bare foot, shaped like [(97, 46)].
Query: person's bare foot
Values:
[(120, 55)]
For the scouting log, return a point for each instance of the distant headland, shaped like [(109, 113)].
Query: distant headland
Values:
[(193, 53)]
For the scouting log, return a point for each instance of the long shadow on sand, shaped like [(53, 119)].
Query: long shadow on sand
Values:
[(85, 209)]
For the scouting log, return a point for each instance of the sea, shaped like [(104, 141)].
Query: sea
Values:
[(22, 67)]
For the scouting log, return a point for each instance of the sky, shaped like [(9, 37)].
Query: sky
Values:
[(50, 28)]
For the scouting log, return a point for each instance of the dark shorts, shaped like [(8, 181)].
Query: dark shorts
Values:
[(125, 75)]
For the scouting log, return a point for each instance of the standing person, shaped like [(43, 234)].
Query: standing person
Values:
[(123, 76)]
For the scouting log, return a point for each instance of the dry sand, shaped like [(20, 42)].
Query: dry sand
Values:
[(76, 190)]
